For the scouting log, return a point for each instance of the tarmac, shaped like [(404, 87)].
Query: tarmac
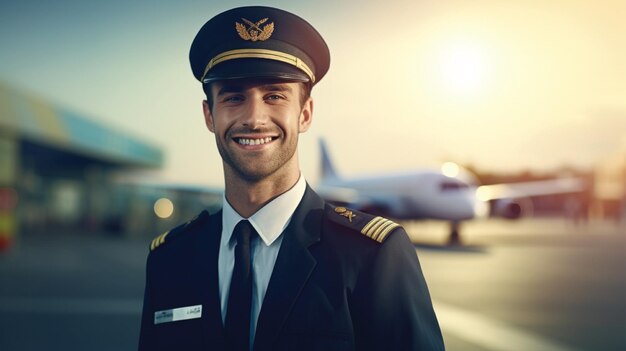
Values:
[(533, 284)]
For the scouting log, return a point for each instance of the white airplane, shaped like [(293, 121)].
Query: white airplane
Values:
[(451, 194)]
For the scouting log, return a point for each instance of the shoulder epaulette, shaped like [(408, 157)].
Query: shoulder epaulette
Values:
[(160, 240), (374, 227)]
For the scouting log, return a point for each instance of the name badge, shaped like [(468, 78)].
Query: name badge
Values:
[(178, 314)]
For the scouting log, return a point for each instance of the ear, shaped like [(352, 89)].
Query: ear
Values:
[(208, 117), (306, 116)]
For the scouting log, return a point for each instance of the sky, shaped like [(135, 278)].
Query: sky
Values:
[(502, 85)]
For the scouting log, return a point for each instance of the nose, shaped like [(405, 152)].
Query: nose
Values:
[(255, 114)]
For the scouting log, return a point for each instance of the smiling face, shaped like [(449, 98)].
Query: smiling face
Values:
[(256, 125)]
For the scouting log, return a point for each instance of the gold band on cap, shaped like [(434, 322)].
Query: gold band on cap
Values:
[(262, 54)]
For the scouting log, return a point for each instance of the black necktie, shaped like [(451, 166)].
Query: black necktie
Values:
[(240, 296)]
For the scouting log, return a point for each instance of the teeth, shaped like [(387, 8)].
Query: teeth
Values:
[(246, 141)]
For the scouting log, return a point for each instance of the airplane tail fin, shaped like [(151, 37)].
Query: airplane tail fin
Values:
[(327, 169)]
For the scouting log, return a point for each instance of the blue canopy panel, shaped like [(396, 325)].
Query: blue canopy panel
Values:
[(39, 121)]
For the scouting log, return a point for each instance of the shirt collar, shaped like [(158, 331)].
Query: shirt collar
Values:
[(269, 221)]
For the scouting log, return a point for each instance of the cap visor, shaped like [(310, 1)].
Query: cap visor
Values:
[(255, 68)]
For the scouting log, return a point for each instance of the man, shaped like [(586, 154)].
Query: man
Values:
[(277, 268)]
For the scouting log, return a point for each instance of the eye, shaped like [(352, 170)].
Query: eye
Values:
[(232, 99), (274, 97)]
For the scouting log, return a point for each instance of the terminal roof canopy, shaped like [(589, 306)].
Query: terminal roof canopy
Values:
[(36, 121)]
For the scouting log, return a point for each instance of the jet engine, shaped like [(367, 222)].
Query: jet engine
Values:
[(511, 208)]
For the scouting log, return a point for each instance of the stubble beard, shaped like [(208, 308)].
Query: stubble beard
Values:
[(253, 170)]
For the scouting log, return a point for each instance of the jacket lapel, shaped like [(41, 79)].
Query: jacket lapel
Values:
[(206, 253), (292, 269)]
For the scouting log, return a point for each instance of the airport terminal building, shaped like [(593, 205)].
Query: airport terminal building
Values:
[(57, 169)]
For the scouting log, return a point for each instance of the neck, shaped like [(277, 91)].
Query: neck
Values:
[(247, 197)]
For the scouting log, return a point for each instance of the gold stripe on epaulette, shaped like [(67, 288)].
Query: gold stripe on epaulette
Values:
[(381, 237), (381, 229), (372, 232), (156, 242), (375, 227), (367, 227), (162, 238), (378, 228), (152, 245)]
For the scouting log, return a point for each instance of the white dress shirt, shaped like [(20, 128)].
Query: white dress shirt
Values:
[(270, 221)]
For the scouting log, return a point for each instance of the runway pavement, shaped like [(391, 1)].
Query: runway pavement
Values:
[(526, 285)]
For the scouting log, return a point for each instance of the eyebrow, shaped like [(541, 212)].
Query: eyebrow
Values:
[(232, 88)]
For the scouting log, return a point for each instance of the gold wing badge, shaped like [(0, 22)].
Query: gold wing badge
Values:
[(345, 212), (254, 31)]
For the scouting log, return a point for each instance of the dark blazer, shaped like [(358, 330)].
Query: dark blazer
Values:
[(332, 288)]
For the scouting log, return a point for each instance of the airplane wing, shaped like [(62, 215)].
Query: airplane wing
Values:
[(530, 189)]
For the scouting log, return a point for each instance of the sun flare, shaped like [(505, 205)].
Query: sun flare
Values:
[(463, 68)]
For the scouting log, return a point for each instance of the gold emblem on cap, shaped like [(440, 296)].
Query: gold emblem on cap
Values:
[(254, 31), (345, 212)]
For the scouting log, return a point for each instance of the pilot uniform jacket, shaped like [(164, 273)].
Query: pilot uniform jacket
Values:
[(332, 288)]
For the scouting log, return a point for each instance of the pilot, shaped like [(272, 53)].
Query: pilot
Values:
[(277, 268)]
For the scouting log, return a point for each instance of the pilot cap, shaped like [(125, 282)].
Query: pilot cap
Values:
[(258, 42)]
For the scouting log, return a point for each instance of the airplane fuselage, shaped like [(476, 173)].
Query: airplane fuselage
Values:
[(411, 195)]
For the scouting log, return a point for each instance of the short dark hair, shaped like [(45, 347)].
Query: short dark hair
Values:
[(305, 93)]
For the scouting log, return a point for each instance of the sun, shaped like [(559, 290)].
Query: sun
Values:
[(463, 68)]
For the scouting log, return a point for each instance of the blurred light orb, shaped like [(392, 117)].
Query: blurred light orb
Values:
[(450, 169), (463, 68), (163, 208)]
